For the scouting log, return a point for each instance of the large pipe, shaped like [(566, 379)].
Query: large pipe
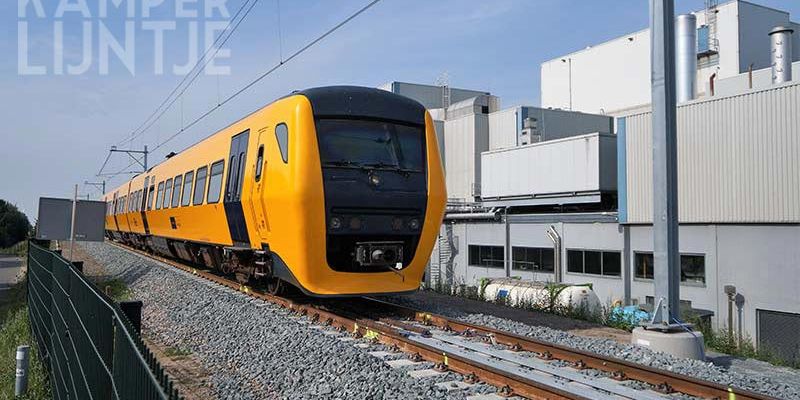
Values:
[(781, 47), (685, 56)]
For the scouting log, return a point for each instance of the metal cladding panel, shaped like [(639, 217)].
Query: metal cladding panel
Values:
[(554, 167), (737, 159), (503, 129)]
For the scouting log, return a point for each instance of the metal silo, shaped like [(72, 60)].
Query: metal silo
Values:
[(781, 47), (685, 56)]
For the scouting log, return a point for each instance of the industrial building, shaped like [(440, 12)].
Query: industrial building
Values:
[(563, 192)]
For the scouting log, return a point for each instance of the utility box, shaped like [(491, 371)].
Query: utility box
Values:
[(55, 220)]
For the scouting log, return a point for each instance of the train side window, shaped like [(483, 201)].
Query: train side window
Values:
[(150, 197), (282, 134), (200, 186), (187, 189), (176, 192), (159, 195), (215, 181), (259, 162), (168, 193)]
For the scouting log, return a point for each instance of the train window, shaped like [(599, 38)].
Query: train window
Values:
[(215, 181), (259, 162), (187, 189), (282, 134), (167, 193), (176, 193), (231, 184), (159, 195), (241, 177), (150, 197), (200, 186)]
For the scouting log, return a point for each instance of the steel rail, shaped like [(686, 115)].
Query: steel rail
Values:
[(621, 369), (392, 332), (385, 334)]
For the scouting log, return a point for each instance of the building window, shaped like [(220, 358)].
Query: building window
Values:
[(693, 267), (594, 262), (486, 256), (532, 259)]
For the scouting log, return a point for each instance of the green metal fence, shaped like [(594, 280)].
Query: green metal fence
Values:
[(91, 348)]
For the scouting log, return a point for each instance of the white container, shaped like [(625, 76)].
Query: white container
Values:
[(522, 293)]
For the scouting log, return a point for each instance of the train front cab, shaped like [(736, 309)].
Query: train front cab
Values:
[(331, 216)]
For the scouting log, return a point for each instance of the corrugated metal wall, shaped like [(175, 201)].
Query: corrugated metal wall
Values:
[(568, 165), (738, 159), (503, 129)]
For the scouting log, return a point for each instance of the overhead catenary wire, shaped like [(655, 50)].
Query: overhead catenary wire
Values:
[(260, 78), (194, 73)]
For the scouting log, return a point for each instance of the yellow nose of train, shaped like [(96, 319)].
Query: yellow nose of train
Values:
[(335, 190)]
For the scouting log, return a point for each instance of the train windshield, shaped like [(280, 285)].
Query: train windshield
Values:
[(371, 144)]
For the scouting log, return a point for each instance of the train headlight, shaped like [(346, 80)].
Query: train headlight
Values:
[(374, 180), (355, 223), (413, 224), (336, 223)]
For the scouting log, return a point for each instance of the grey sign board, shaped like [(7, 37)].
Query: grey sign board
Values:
[(55, 220)]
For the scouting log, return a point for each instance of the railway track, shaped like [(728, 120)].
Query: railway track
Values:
[(517, 365)]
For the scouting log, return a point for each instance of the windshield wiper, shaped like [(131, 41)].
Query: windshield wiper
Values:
[(390, 167), (343, 163)]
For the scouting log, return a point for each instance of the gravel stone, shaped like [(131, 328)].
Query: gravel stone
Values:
[(251, 348), (779, 382)]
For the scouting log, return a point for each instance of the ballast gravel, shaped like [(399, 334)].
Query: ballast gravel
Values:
[(782, 383), (257, 350)]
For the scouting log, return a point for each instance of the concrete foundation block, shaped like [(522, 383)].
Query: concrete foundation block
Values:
[(680, 344)]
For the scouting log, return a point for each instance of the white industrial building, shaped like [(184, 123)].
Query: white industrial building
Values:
[(566, 196), (611, 77)]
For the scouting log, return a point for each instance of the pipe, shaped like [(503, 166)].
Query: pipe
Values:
[(552, 233), (493, 215), (750, 76), (711, 82), (781, 48), (685, 57)]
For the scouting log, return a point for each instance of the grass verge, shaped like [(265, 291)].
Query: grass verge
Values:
[(15, 330)]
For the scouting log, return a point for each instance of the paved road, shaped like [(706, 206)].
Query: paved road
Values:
[(9, 267)]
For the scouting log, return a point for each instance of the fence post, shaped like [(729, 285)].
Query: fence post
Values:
[(133, 310), (21, 383)]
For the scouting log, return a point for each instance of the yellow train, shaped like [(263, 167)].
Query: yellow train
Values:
[(335, 190)]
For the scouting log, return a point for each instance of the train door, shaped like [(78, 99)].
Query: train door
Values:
[(116, 211), (233, 190), (143, 206), (258, 201)]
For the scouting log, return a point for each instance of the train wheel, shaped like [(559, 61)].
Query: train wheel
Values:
[(276, 287)]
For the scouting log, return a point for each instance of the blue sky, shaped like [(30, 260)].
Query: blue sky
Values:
[(57, 128)]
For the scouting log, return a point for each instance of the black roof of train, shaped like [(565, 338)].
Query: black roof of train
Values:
[(363, 102)]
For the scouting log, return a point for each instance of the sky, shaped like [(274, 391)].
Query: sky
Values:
[(60, 121)]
